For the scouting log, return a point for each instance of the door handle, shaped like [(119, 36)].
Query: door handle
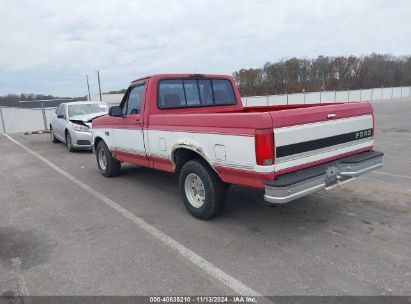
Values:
[(139, 122)]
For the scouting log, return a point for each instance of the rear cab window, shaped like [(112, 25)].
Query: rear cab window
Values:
[(189, 93)]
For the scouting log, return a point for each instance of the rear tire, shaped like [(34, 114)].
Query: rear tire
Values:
[(107, 164), (54, 140), (201, 189)]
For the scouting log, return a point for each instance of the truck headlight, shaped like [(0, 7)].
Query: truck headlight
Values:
[(81, 128)]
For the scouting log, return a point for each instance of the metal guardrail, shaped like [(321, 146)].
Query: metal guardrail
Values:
[(3, 128), (329, 96), (14, 120)]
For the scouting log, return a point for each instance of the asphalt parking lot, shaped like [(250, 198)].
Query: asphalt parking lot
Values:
[(57, 237)]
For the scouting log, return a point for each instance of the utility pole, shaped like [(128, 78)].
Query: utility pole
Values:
[(88, 88), (99, 86)]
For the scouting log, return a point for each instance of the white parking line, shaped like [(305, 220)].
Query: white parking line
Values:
[(190, 255), (21, 282)]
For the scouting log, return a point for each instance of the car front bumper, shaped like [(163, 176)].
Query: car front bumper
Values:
[(81, 140), (290, 186)]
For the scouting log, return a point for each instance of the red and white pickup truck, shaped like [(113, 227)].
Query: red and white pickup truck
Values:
[(196, 125)]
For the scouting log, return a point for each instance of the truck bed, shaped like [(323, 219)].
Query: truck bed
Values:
[(304, 135), (281, 116)]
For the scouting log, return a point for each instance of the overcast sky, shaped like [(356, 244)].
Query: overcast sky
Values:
[(49, 46)]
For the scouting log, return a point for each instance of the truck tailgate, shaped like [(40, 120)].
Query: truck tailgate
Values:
[(305, 137)]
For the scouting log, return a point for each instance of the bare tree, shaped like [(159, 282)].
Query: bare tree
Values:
[(325, 73)]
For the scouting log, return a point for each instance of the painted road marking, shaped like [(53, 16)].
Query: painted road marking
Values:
[(21, 282), (190, 255)]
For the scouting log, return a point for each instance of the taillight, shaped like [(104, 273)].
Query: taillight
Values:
[(264, 147)]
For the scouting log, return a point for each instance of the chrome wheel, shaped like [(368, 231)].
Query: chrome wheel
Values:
[(194, 189), (102, 159)]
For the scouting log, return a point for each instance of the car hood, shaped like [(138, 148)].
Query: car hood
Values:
[(86, 119)]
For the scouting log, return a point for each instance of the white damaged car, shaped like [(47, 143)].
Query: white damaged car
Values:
[(71, 123)]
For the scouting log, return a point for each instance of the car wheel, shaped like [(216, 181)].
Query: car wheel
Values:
[(201, 189), (107, 164), (69, 142), (53, 136)]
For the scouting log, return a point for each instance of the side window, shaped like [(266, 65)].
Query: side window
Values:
[(132, 105), (63, 111), (134, 99), (124, 109)]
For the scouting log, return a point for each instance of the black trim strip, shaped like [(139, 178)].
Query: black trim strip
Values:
[(322, 143)]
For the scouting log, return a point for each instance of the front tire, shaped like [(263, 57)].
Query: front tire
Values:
[(107, 164), (69, 142), (201, 189)]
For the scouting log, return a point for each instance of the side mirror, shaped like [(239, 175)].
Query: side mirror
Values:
[(60, 116), (115, 111)]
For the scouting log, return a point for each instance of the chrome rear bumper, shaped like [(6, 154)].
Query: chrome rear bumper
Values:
[(290, 186)]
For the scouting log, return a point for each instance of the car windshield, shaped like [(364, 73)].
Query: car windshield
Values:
[(84, 109)]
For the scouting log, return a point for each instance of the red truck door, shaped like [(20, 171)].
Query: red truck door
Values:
[(128, 130)]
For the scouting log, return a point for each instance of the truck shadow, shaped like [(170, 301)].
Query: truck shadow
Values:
[(246, 206)]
